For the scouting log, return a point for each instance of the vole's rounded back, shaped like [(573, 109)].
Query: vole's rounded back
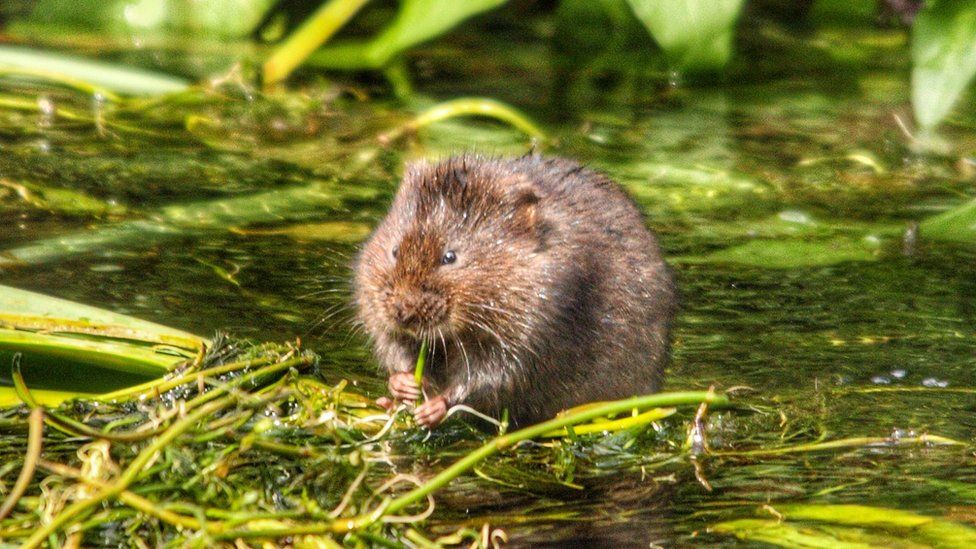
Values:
[(534, 280)]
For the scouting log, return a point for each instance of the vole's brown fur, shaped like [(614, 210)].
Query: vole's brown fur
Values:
[(558, 294)]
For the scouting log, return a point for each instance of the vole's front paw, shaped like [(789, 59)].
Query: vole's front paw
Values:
[(403, 387), (432, 412)]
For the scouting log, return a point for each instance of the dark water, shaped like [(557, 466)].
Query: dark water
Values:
[(808, 153)]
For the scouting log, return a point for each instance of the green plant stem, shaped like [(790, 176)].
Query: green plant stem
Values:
[(505, 441), (118, 78), (70, 426), (237, 382), (71, 513), (35, 435), (131, 499), (159, 386), (653, 414), (418, 371), (328, 19), (468, 106), (845, 443)]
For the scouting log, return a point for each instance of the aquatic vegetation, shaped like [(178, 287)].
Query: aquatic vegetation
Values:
[(696, 35), (811, 525), (95, 77), (255, 398), (944, 58), (825, 260)]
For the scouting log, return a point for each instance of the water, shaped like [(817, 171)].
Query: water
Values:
[(817, 349)]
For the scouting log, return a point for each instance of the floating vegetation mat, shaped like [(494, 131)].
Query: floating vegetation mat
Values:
[(245, 444)]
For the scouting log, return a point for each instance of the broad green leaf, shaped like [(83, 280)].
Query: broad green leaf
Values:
[(63, 201), (213, 18), (696, 35), (78, 349), (943, 56), (847, 525), (417, 21), (30, 310), (783, 534), (793, 239), (294, 203), (955, 225), (933, 530), (791, 254)]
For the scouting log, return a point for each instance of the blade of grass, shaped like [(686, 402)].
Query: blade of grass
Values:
[(856, 442), (329, 18), (35, 435), (97, 74)]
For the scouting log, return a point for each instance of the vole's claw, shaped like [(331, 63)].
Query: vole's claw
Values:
[(403, 387), (431, 413)]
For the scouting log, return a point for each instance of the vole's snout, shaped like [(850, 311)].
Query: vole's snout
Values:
[(418, 309)]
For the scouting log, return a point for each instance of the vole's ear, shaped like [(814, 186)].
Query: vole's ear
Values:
[(523, 196)]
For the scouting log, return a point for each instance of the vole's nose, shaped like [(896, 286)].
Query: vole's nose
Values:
[(417, 309), (404, 312)]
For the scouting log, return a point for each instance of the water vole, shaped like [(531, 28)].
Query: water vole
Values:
[(534, 281)]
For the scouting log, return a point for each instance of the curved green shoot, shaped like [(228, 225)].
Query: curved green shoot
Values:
[(468, 106), (328, 19), (511, 439)]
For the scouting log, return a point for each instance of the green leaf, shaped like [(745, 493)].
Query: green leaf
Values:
[(944, 57), (213, 18), (171, 221), (696, 35), (787, 535), (847, 525), (933, 530), (793, 239), (955, 225), (67, 345), (792, 254), (417, 21)]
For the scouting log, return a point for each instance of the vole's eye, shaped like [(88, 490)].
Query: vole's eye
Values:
[(449, 257), (395, 251)]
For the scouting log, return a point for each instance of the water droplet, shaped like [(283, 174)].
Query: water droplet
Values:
[(106, 268), (898, 374), (795, 216), (48, 111), (881, 380), (933, 382)]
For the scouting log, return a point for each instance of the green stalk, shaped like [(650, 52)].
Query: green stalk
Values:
[(845, 443), (468, 106), (418, 371), (35, 435), (237, 382), (159, 386), (72, 512), (96, 74), (131, 499), (328, 19), (500, 443)]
